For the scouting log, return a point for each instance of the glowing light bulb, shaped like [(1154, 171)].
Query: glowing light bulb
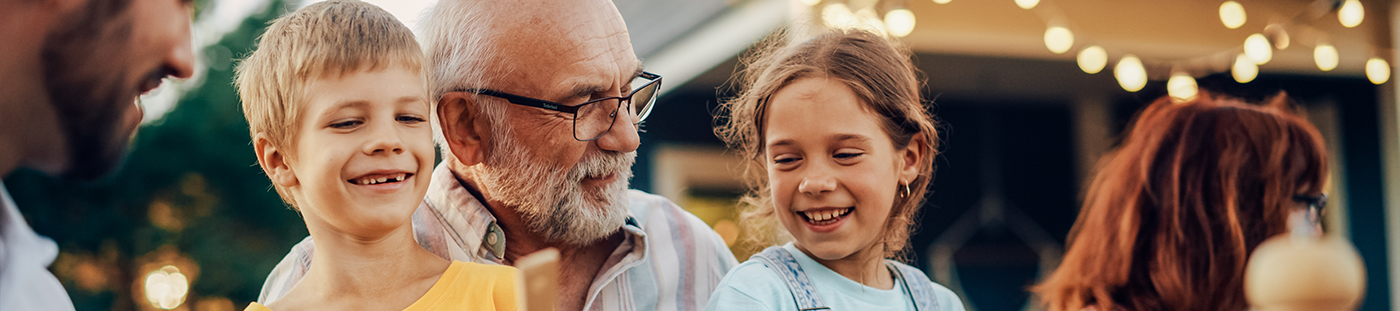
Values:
[(1059, 39), (1377, 70), (1326, 57), (1258, 49), (1181, 87), (1232, 14), (810, 2), (166, 288), (1244, 70), (1092, 59), (942, 1), (1351, 13), (1131, 76), (1027, 4), (899, 22)]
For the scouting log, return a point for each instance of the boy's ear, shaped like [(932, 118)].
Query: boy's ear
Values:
[(912, 155), (274, 162), (458, 116)]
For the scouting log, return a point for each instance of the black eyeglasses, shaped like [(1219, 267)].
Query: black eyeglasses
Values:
[(1315, 205), (591, 119)]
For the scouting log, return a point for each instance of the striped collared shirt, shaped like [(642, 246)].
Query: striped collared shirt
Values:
[(670, 260)]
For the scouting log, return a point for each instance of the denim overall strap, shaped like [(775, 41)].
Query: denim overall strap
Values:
[(786, 266), (916, 285)]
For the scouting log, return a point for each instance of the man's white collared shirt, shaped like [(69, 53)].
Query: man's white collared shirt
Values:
[(25, 281)]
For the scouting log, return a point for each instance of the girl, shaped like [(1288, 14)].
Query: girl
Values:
[(841, 150), (1171, 218)]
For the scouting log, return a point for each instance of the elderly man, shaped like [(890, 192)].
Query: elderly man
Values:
[(539, 103), (70, 72)]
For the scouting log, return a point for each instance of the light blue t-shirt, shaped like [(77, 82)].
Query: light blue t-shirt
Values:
[(754, 286)]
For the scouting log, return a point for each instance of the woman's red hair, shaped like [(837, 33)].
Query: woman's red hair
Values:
[(1173, 214)]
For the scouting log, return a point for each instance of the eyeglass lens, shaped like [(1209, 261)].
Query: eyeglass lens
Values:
[(595, 119)]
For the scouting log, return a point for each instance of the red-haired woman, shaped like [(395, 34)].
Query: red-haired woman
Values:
[(1173, 214)]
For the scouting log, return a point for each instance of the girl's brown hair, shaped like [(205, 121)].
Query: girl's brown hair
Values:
[(882, 77), (1173, 214)]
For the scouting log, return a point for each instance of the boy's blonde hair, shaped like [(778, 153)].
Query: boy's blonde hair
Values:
[(881, 75), (322, 40)]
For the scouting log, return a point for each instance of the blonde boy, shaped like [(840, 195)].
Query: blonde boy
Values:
[(337, 106)]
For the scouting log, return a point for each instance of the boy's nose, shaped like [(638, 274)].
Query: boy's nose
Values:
[(384, 140)]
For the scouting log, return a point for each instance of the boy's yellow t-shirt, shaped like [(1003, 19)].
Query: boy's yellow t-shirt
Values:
[(464, 286)]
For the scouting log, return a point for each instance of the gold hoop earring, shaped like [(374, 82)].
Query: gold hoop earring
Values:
[(906, 193)]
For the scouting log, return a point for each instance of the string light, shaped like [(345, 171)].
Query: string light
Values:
[(1181, 87), (1027, 4), (1129, 71), (1258, 49), (1059, 39), (900, 22), (1092, 59), (1351, 13), (1377, 70), (1244, 69), (1131, 76), (1326, 57), (1232, 14)]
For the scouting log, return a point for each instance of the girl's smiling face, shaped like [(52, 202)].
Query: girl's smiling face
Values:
[(832, 169)]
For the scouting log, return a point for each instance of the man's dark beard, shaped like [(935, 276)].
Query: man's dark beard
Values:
[(83, 74)]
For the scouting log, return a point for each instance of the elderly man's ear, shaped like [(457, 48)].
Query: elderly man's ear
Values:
[(462, 127)]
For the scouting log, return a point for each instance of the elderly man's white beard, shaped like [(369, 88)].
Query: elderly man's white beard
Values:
[(553, 202)]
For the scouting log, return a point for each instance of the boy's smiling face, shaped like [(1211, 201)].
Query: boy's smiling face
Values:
[(364, 151)]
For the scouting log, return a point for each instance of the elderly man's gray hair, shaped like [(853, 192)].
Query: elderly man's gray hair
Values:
[(459, 41)]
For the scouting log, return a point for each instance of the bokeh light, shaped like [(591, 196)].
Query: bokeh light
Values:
[(1326, 57), (1244, 70), (899, 22), (166, 287), (1181, 87), (1351, 13), (1378, 70), (1059, 39), (1027, 4), (1232, 14), (1258, 49), (1130, 73), (1092, 59)]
